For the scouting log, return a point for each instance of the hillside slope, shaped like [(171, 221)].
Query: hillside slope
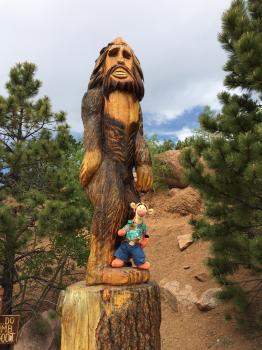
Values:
[(187, 328)]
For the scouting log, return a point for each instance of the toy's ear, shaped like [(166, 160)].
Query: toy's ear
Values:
[(150, 211), (133, 205)]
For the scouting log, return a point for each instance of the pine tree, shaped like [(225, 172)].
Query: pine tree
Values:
[(40, 196), (232, 186)]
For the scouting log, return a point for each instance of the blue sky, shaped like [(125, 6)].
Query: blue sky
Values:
[(175, 41), (177, 128)]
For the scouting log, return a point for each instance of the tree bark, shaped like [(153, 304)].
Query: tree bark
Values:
[(107, 317), (8, 278)]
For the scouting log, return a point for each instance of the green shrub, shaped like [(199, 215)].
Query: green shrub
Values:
[(160, 170)]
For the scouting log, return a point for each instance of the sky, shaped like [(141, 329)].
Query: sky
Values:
[(175, 41)]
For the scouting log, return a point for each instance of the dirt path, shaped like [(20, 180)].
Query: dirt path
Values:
[(187, 329)]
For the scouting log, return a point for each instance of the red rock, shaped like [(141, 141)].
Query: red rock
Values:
[(202, 277), (175, 176), (176, 295), (208, 300), (185, 202), (184, 241)]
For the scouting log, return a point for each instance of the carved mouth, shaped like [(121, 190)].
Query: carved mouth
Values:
[(120, 73)]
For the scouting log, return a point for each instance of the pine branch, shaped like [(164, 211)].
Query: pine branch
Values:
[(29, 254), (35, 131), (41, 279), (7, 146)]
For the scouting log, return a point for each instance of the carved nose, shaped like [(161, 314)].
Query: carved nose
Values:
[(120, 61)]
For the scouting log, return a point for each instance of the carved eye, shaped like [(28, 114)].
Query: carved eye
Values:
[(113, 52), (126, 54)]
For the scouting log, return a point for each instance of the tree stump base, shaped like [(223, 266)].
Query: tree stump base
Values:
[(105, 317)]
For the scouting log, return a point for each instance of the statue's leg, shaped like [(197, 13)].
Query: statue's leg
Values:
[(131, 195), (106, 192)]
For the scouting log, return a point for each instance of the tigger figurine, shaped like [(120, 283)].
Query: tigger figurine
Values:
[(136, 238)]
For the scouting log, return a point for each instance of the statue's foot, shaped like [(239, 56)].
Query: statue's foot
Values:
[(124, 276), (118, 274)]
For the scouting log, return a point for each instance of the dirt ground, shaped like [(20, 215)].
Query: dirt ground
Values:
[(188, 329)]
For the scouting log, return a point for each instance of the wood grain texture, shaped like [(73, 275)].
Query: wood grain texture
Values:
[(114, 145), (125, 275), (111, 318)]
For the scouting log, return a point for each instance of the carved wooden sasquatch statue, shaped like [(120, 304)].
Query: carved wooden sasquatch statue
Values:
[(114, 146)]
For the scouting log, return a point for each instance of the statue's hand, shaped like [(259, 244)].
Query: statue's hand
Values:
[(144, 178), (89, 166)]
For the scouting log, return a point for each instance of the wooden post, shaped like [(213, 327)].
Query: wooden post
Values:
[(104, 317)]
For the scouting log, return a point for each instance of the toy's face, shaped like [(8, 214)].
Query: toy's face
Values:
[(141, 210), (121, 56)]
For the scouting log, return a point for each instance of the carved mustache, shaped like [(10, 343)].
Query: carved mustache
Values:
[(134, 84), (119, 65)]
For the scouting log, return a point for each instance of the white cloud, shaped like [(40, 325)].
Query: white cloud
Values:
[(180, 134), (166, 115), (183, 133), (175, 41)]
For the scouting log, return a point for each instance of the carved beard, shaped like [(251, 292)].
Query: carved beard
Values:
[(134, 85)]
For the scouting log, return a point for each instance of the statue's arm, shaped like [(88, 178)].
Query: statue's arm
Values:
[(143, 162), (91, 115)]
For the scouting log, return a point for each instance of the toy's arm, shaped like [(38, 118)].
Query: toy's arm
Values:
[(143, 162), (122, 232), (92, 104)]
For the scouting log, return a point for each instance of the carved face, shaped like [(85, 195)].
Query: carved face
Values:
[(117, 68), (119, 55)]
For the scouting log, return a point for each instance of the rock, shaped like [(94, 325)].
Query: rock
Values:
[(202, 277), (176, 296), (12, 203), (185, 202), (175, 176), (184, 241), (41, 333), (208, 300), (186, 267)]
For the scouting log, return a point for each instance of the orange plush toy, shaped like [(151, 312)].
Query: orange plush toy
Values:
[(136, 238)]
